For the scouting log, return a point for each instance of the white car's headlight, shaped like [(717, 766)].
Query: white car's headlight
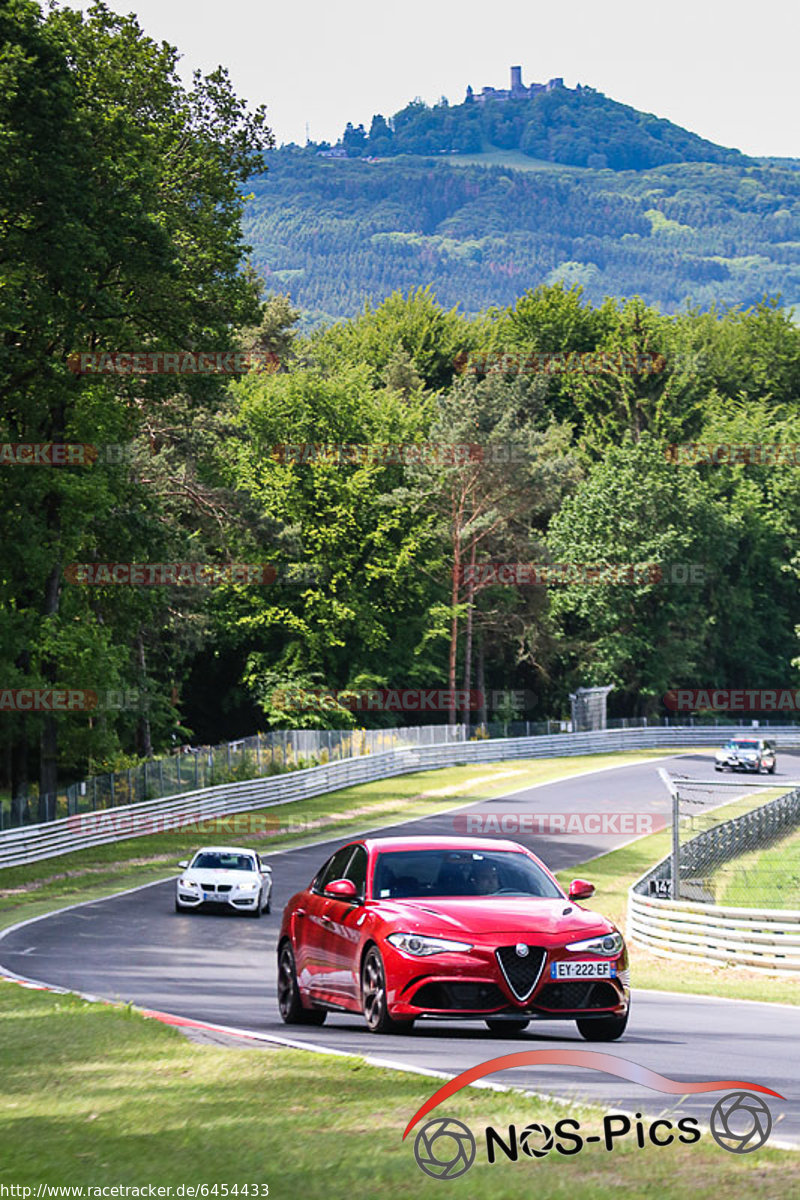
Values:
[(608, 944), (187, 883), (248, 885), (418, 945)]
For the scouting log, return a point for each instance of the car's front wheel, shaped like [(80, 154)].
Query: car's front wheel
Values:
[(289, 1003), (373, 996), (602, 1029), (508, 1027), (256, 912)]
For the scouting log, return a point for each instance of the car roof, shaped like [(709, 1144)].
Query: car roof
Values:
[(440, 843), (224, 850)]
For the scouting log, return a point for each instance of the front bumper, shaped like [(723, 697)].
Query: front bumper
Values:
[(240, 901), (464, 991)]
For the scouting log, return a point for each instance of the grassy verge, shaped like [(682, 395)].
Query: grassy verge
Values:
[(773, 872), (613, 875), (100, 871), (97, 1095)]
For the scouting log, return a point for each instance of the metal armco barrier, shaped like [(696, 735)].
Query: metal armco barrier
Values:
[(32, 843), (762, 939)]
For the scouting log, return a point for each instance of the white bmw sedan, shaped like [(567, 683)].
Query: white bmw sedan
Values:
[(225, 875)]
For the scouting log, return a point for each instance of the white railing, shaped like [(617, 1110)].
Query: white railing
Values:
[(34, 842), (761, 939)]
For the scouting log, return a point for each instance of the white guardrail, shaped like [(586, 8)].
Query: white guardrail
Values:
[(762, 939), (32, 843)]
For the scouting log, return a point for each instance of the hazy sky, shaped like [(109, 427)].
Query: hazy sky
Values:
[(726, 70)]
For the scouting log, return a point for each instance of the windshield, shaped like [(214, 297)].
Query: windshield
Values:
[(404, 873), (743, 745), (213, 861)]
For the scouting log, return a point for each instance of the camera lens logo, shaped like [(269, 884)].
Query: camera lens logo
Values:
[(740, 1122), (444, 1148), (536, 1140)]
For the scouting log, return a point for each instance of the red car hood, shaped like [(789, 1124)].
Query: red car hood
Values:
[(505, 915)]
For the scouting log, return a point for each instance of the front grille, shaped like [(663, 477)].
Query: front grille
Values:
[(579, 994), (464, 996), (208, 887), (224, 887), (521, 973)]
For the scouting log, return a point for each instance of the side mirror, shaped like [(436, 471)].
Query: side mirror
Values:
[(341, 889), (184, 863), (579, 889)]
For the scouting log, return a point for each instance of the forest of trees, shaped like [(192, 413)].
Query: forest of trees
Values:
[(372, 549), (579, 127), (333, 233)]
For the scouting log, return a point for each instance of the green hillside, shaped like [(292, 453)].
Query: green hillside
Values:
[(334, 232), (579, 127)]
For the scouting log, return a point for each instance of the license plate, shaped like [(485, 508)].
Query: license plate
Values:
[(214, 896), (583, 970)]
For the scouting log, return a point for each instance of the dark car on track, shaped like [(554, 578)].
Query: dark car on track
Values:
[(401, 929)]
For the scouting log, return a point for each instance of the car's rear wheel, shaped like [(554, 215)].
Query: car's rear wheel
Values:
[(508, 1027), (602, 1029), (771, 770), (373, 996), (289, 1003)]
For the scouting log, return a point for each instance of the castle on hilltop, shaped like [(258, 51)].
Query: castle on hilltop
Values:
[(517, 91)]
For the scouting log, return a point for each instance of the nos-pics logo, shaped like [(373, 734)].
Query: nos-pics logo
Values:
[(446, 1148)]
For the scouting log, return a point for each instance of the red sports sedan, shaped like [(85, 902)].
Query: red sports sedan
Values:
[(449, 928)]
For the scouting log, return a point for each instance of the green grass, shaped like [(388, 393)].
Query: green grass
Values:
[(37, 888), (97, 1095), (768, 878), (613, 874), (512, 159)]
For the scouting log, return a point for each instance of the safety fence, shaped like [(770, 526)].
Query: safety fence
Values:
[(196, 767), (45, 840), (263, 754), (763, 851)]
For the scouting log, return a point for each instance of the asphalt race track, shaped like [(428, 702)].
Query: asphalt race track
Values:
[(221, 968)]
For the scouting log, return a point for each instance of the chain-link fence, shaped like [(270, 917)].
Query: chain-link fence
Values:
[(195, 767), (736, 843)]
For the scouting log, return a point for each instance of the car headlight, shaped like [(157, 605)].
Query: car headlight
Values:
[(249, 885), (608, 944), (418, 945), (187, 883)]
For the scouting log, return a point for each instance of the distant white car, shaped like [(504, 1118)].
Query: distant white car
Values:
[(746, 754), (229, 875)]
